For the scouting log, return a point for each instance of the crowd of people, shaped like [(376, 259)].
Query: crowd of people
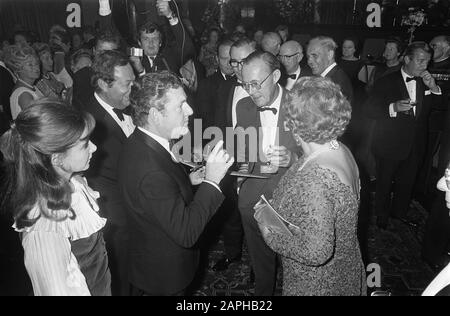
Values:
[(104, 206)]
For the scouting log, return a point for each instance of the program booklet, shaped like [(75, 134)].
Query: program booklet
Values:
[(266, 215)]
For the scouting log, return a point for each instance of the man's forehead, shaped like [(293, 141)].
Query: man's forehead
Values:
[(290, 49), (123, 72), (154, 34), (421, 54), (255, 68)]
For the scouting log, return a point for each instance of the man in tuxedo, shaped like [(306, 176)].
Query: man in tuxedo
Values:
[(291, 54), (321, 58), (274, 152), (401, 104), (113, 77), (165, 217), (214, 92), (83, 89), (157, 57)]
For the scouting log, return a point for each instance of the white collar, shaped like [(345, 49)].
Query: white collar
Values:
[(405, 75), (103, 103), (326, 71), (160, 140)]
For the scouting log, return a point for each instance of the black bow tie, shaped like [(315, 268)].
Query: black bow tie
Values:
[(408, 79), (293, 77), (120, 113), (262, 109)]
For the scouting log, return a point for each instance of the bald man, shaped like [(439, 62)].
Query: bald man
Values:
[(291, 54), (271, 43)]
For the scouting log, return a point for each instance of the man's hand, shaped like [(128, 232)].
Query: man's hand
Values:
[(198, 176), (136, 62), (163, 8), (429, 81), (442, 185), (279, 156), (218, 163), (402, 106)]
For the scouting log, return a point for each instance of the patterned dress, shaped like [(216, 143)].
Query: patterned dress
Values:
[(323, 257)]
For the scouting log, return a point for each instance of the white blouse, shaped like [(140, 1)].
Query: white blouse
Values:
[(50, 263)]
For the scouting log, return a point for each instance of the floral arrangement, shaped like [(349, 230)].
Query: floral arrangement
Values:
[(414, 19)]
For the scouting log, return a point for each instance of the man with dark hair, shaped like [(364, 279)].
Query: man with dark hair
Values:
[(83, 88), (166, 218), (321, 58), (275, 151), (401, 104), (113, 78), (160, 53)]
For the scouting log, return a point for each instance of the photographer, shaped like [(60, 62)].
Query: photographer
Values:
[(158, 53)]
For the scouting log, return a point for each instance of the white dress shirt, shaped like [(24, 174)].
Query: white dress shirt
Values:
[(326, 71), (269, 123), (411, 86), (127, 125), (166, 145), (291, 82), (238, 95)]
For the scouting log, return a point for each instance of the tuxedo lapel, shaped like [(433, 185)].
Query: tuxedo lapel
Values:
[(403, 90), (420, 93), (176, 170)]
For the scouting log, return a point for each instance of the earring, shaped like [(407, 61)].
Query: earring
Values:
[(334, 144)]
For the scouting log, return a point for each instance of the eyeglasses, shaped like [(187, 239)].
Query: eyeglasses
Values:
[(248, 86), (287, 56), (236, 64)]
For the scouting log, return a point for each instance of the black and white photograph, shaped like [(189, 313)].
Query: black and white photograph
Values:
[(224, 152)]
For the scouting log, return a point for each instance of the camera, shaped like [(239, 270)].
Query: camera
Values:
[(136, 52)]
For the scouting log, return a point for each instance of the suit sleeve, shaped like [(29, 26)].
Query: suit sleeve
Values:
[(182, 221), (182, 47), (376, 106)]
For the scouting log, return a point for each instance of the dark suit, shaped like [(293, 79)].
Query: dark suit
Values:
[(214, 102), (262, 257), (398, 143), (6, 89), (305, 71), (338, 76), (102, 177), (165, 218), (172, 56), (82, 87)]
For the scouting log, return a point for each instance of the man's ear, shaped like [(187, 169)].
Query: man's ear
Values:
[(276, 76), (331, 55), (154, 115), (102, 84), (407, 60)]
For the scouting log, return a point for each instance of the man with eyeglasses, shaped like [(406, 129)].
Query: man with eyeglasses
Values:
[(238, 52), (291, 54), (276, 151)]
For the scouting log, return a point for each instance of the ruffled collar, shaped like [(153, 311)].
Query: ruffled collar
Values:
[(84, 205)]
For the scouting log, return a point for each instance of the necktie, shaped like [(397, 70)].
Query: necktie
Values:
[(262, 109), (293, 77), (408, 79), (119, 114)]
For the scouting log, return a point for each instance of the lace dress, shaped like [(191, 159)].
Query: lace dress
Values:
[(323, 257), (68, 258)]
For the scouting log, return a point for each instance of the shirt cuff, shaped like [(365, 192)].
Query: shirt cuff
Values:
[(173, 21), (392, 113), (213, 184), (437, 93)]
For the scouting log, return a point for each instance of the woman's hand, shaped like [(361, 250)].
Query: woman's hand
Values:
[(442, 185)]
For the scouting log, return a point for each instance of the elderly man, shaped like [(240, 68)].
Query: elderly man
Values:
[(321, 58), (270, 157), (271, 43), (436, 247), (401, 104), (166, 218), (291, 54)]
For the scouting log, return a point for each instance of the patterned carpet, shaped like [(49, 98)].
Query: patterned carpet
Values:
[(397, 251)]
